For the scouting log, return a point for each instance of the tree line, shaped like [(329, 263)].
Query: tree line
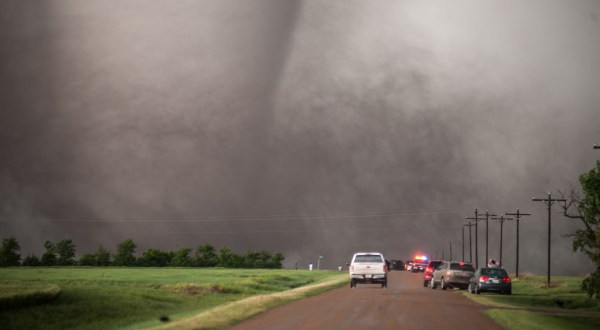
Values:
[(62, 253)]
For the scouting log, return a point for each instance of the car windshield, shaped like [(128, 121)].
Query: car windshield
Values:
[(465, 267), (368, 258), (494, 272)]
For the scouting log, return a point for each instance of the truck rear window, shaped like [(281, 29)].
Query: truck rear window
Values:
[(368, 258)]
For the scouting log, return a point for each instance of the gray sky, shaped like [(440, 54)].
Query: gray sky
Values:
[(305, 127)]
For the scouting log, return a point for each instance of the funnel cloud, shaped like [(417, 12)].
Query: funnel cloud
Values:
[(311, 128)]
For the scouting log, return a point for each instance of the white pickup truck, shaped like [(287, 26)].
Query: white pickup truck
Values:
[(368, 267)]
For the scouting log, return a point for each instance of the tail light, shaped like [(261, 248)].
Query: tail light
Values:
[(448, 273), (483, 278), (506, 279), (385, 268), (429, 270)]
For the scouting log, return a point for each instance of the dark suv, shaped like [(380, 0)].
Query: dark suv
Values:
[(429, 271)]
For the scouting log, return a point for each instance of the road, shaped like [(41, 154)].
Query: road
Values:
[(405, 304)]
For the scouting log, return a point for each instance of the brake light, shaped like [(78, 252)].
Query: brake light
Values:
[(483, 278), (429, 270), (461, 263), (506, 279), (385, 268)]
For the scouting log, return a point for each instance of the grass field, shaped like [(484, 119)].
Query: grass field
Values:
[(109, 298), (534, 306)]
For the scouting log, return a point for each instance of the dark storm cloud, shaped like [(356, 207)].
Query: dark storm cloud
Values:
[(214, 121)]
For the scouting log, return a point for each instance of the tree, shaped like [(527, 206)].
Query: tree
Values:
[(32, 260), (181, 258), (125, 253), (8, 252), (587, 210), (205, 256), (154, 258), (49, 257), (88, 259), (66, 252), (102, 257), (229, 259)]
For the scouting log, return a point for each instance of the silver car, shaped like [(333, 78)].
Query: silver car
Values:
[(452, 274)]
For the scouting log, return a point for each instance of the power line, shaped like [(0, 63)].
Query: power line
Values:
[(251, 218)]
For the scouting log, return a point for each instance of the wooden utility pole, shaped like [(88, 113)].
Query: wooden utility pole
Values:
[(518, 215), (470, 247)]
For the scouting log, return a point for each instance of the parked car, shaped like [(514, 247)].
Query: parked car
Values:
[(490, 279), (368, 267), (452, 274), (429, 271), (409, 265)]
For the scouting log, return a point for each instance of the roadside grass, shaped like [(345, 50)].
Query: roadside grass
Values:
[(108, 298), (513, 319), (534, 306)]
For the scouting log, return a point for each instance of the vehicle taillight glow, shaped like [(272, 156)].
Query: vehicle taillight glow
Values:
[(429, 270), (461, 263), (506, 279), (483, 278), (385, 268), (448, 273)]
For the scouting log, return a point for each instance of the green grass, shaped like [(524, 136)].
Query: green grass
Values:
[(109, 298), (511, 319), (535, 302)]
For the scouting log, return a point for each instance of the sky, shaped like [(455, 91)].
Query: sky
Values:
[(310, 128)]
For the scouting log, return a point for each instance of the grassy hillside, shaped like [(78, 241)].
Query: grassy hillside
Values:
[(108, 298)]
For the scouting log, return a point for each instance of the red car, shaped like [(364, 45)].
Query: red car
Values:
[(429, 271)]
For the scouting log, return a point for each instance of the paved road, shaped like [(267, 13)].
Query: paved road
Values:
[(405, 304)]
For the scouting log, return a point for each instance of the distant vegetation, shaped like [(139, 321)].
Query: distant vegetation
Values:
[(63, 254)]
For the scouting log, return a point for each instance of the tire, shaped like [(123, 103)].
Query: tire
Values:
[(384, 284), (425, 283), (477, 290), (353, 283), (443, 284), (432, 284)]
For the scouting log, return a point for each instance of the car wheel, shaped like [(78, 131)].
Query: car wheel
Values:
[(384, 284), (477, 290), (352, 283), (443, 284), (425, 283), (432, 283)]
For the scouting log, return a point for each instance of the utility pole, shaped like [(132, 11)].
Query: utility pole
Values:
[(518, 215), (549, 201), (470, 248), (487, 218), (501, 219), (463, 242), (476, 220)]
